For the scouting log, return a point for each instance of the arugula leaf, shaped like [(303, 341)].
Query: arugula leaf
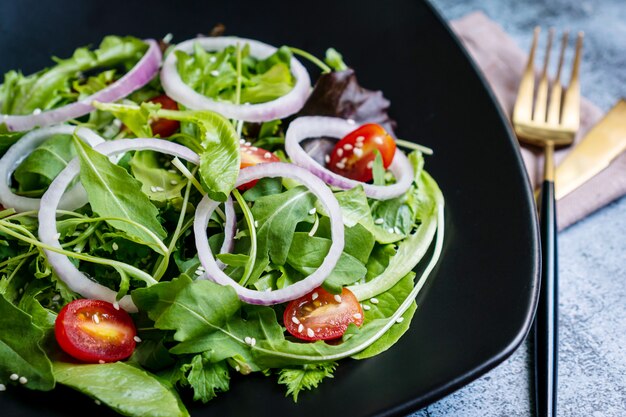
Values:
[(206, 377), (42, 166), (277, 216), (8, 139), (41, 317), (265, 186), (126, 389), (113, 192), (305, 377), (156, 299), (20, 349), (157, 183)]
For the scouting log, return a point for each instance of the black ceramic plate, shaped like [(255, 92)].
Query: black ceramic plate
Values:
[(478, 304)]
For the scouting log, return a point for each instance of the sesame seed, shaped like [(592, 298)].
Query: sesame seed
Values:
[(242, 141), (267, 155), (374, 300), (347, 147), (3, 387), (247, 339), (37, 111), (310, 333), (370, 164), (198, 272), (14, 377), (57, 236), (174, 182), (248, 143), (314, 296), (215, 73), (213, 58), (21, 290), (167, 38), (360, 138), (357, 316), (390, 230), (379, 221), (295, 320), (399, 319), (237, 368), (254, 148), (350, 121), (101, 362), (97, 402), (327, 158), (56, 297), (252, 341), (153, 189), (300, 328), (344, 160), (23, 380), (96, 318), (378, 140), (116, 305), (137, 339), (397, 231), (115, 246), (337, 298), (313, 210), (256, 223), (172, 171), (340, 165), (358, 152), (366, 307), (339, 152), (160, 189)]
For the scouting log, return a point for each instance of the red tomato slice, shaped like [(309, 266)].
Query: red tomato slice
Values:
[(321, 315), (353, 156), (94, 331), (250, 156), (164, 128)]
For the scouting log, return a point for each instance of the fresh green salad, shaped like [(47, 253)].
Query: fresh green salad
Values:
[(174, 214)]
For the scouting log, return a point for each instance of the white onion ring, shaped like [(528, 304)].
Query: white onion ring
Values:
[(318, 126), (137, 77), (67, 272), (280, 108), (300, 288), (73, 199)]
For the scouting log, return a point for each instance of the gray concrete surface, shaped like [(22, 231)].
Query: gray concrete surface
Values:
[(592, 258)]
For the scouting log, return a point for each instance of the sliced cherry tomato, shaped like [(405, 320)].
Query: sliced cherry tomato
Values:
[(250, 156), (353, 156), (164, 128), (94, 331), (320, 315)]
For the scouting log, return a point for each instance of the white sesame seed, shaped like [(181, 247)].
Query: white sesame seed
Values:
[(357, 316), (137, 339), (213, 58), (172, 171), (399, 319), (327, 158), (360, 138), (57, 236), (116, 305), (378, 140), (267, 155), (160, 189), (3, 387), (397, 231), (347, 147), (101, 362), (14, 377), (252, 341), (21, 290), (215, 73), (350, 121), (97, 402), (96, 318), (337, 298), (153, 189), (242, 141), (254, 148), (379, 221), (237, 368), (198, 272), (56, 297), (37, 111), (115, 246), (390, 230), (247, 339), (23, 380), (248, 143), (339, 152), (344, 160), (174, 182), (167, 38), (370, 164), (340, 165), (310, 333), (374, 300), (300, 328), (314, 296), (366, 307), (256, 223), (358, 152), (313, 210), (295, 320)]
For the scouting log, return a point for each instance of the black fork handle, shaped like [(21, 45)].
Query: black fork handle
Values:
[(547, 317)]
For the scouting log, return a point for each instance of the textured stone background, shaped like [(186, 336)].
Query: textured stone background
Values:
[(592, 258)]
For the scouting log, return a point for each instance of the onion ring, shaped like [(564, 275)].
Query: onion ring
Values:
[(318, 126), (300, 288), (280, 108)]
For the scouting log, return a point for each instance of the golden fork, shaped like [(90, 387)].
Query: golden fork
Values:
[(548, 121)]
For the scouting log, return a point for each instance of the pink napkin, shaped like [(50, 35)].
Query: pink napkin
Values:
[(502, 62)]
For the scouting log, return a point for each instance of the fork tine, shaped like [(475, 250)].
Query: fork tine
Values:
[(541, 102), (570, 117), (554, 109), (524, 104)]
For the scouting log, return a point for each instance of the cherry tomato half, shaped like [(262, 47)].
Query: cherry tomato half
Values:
[(94, 331), (353, 156), (164, 128), (251, 156), (320, 315)]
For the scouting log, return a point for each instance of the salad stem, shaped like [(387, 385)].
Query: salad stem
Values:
[(253, 244), (414, 146), (325, 68)]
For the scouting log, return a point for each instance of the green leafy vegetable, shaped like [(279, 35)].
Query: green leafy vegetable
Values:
[(305, 377), (157, 182), (206, 378)]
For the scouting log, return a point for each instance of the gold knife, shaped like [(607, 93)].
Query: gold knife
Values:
[(603, 143)]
